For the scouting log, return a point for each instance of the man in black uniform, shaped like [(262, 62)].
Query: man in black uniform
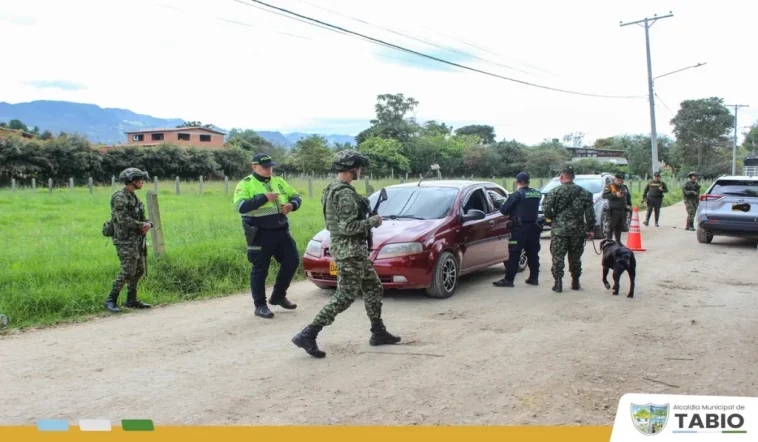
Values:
[(619, 202), (522, 207), (653, 195)]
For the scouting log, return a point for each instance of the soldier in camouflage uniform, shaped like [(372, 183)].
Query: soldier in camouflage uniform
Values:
[(691, 193), (130, 225), (571, 209), (345, 213)]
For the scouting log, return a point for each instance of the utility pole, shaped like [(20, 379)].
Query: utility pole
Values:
[(647, 23), (734, 147)]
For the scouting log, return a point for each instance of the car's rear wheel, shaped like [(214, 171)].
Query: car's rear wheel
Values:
[(445, 277), (704, 236), (601, 231), (325, 286), (522, 261)]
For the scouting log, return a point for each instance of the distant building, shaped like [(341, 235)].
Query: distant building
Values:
[(604, 155), (750, 165), (182, 136), (7, 132)]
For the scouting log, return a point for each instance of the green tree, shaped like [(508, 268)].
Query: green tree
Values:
[(16, 124), (20, 158), (638, 152), (702, 130), (385, 156), (391, 119), (485, 133), (341, 146), (546, 159), (312, 155), (511, 157), (751, 139), (432, 127)]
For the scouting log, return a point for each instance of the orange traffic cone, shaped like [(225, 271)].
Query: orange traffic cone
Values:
[(634, 239)]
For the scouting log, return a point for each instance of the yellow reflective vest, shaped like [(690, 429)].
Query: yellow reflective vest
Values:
[(251, 202)]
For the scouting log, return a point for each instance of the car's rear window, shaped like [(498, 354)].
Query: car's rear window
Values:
[(594, 185), (735, 187), (417, 202)]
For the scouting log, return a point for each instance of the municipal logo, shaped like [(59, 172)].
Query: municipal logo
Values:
[(650, 419)]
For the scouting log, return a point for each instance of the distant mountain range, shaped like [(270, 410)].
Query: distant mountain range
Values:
[(108, 125), (289, 140)]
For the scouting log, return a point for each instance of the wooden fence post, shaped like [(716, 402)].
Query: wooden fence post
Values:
[(155, 181), (71, 183), (402, 180), (177, 185), (542, 183), (226, 185), (369, 188), (159, 246), (50, 184), (89, 184), (34, 184), (113, 184), (13, 184), (201, 184), (310, 187)]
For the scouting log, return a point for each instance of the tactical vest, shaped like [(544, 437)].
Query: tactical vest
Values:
[(330, 212), (655, 189)]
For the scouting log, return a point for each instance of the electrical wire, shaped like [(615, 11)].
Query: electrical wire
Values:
[(400, 48)]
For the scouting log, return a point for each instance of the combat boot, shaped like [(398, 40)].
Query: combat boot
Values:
[(532, 281), (380, 335), (131, 299), (306, 340), (575, 283), (558, 287), (112, 303)]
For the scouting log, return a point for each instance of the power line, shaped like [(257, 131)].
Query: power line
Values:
[(381, 42), (420, 40)]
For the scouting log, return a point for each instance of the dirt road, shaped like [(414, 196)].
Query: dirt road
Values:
[(486, 356)]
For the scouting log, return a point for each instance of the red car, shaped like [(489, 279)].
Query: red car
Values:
[(432, 233)]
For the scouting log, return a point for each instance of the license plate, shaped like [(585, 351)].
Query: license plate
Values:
[(547, 219), (333, 268), (741, 207)]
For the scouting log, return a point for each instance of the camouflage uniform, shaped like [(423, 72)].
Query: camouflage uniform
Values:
[(128, 217), (345, 219), (691, 193), (571, 209), (345, 214)]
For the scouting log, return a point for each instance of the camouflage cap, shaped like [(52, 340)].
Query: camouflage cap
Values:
[(132, 174), (567, 169)]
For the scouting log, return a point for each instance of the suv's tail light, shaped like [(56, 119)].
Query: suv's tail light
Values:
[(709, 197)]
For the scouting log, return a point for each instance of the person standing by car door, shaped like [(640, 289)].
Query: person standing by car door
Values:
[(571, 208), (691, 193), (264, 203), (345, 212), (522, 207), (653, 195), (619, 202)]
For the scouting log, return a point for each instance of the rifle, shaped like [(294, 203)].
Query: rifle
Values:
[(374, 212)]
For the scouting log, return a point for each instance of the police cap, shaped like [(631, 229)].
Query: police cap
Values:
[(522, 177), (264, 160), (568, 170)]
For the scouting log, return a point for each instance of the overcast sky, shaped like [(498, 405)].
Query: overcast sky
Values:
[(233, 65)]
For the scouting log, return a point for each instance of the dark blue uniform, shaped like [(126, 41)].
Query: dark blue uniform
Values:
[(522, 206)]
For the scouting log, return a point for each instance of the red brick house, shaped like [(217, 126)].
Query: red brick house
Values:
[(182, 136)]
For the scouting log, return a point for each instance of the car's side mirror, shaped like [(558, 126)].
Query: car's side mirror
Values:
[(473, 215)]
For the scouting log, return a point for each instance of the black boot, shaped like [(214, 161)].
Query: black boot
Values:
[(112, 303), (306, 340), (532, 281), (558, 287), (264, 312), (283, 303), (131, 299), (380, 335), (503, 283), (575, 283)]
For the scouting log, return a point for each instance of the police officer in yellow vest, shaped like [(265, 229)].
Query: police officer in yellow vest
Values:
[(264, 201)]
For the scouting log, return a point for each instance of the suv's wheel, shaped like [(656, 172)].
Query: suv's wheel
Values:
[(445, 277), (324, 286), (704, 236), (522, 261), (602, 230)]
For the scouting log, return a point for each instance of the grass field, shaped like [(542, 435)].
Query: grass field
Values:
[(56, 266)]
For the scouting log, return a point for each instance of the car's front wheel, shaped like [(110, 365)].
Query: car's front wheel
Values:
[(324, 286), (601, 231), (445, 277), (704, 236)]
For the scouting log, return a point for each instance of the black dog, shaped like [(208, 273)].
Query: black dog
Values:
[(619, 258)]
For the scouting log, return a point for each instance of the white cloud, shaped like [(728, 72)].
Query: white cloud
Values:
[(176, 58)]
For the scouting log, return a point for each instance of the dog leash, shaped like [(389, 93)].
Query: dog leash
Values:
[(593, 246)]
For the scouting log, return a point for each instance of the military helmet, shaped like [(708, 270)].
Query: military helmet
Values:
[(657, 174), (132, 174), (620, 175), (691, 174), (350, 159)]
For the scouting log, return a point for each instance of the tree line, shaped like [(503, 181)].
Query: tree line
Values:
[(396, 144)]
